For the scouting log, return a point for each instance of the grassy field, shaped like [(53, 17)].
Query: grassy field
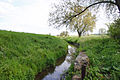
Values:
[(23, 55), (104, 55)]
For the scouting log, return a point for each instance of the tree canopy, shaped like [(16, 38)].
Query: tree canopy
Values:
[(111, 6), (62, 11), (83, 23)]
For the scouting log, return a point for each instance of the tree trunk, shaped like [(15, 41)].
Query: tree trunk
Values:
[(79, 33), (118, 4)]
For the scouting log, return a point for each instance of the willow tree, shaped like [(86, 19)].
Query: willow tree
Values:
[(60, 17)]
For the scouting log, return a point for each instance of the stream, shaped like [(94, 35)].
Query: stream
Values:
[(62, 65)]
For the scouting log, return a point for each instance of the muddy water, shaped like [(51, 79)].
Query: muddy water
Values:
[(62, 65)]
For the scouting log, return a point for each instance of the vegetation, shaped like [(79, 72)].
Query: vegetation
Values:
[(104, 54), (64, 34), (102, 31), (81, 24), (71, 12), (70, 72), (110, 6), (114, 29), (23, 55)]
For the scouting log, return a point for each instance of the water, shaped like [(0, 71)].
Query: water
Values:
[(62, 65)]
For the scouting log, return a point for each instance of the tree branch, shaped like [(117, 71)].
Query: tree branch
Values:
[(71, 17), (118, 4)]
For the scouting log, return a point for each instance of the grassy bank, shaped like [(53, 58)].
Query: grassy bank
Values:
[(23, 55), (104, 55)]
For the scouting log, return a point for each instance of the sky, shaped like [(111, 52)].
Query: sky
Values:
[(31, 16)]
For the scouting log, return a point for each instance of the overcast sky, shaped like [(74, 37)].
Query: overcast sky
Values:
[(32, 16)]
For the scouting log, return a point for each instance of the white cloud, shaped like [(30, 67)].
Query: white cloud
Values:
[(26, 18), (10, 1), (6, 8)]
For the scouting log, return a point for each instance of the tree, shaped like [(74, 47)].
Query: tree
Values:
[(110, 5), (114, 29), (102, 31), (64, 33), (82, 23)]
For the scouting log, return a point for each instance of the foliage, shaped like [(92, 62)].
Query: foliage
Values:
[(111, 7), (114, 29), (83, 23), (104, 54), (64, 34), (23, 55), (59, 17), (70, 72), (102, 31)]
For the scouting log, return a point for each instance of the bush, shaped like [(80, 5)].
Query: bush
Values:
[(64, 34), (114, 29)]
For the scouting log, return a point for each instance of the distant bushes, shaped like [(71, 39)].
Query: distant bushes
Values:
[(114, 29), (64, 34)]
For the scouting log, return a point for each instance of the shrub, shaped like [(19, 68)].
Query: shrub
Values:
[(114, 29), (64, 34)]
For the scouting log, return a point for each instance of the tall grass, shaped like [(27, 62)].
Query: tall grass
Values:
[(23, 55), (104, 55)]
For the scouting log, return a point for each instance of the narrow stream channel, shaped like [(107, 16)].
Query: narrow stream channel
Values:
[(54, 73)]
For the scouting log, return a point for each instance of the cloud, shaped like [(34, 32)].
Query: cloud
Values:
[(10, 1), (27, 18), (6, 8)]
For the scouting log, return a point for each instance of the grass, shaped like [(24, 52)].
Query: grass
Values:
[(23, 55), (104, 55)]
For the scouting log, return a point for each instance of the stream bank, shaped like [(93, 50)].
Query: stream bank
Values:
[(63, 64), (104, 56)]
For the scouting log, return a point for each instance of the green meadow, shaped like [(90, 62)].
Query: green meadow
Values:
[(104, 55), (23, 55)]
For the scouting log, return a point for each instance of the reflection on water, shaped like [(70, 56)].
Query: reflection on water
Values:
[(54, 73)]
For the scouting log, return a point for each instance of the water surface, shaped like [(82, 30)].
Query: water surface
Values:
[(54, 73)]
